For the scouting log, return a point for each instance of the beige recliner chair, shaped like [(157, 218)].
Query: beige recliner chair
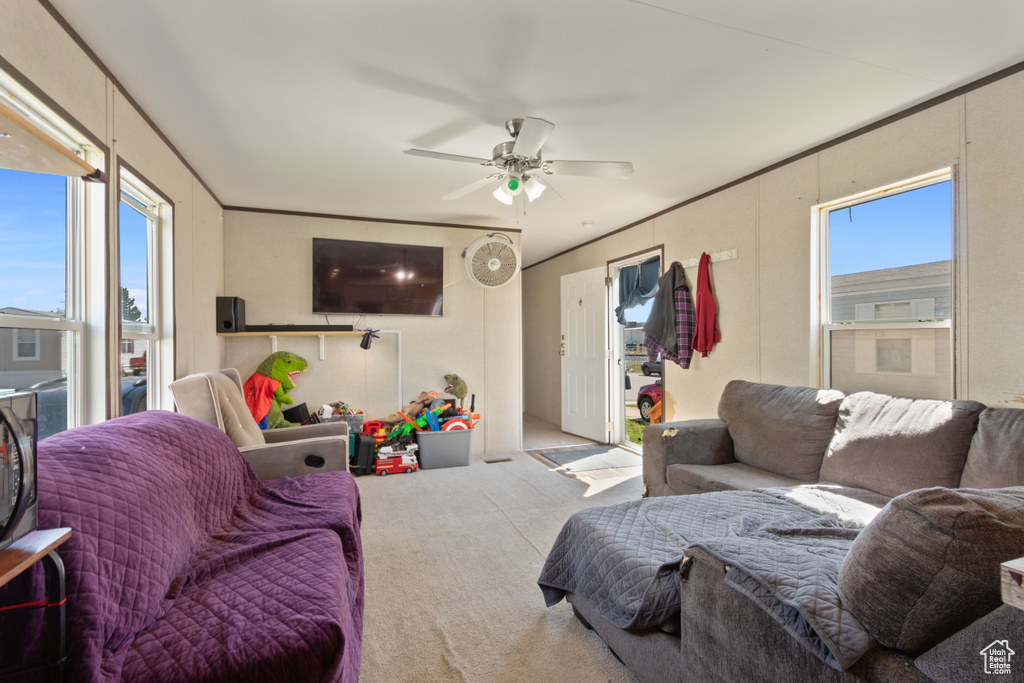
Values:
[(216, 398)]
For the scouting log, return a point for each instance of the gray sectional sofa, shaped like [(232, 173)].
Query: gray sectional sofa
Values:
[(770, 435), (918, 503)]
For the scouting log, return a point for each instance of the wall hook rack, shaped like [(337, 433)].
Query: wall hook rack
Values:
[(715, 258)]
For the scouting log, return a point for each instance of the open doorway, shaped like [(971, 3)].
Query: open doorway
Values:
[(636, 384)]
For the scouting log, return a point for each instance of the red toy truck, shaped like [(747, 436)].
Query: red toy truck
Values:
[(390, 460)]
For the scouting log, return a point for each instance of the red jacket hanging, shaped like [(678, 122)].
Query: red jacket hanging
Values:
[(706, 328)]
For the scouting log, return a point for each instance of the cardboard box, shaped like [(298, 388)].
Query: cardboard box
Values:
[(1012, 582), (444, 449)]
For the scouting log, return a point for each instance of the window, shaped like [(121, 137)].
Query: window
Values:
[(26, 344), (885, 280), (52, 299), (36, 227), (143, 228)]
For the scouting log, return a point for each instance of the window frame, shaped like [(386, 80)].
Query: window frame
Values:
[(157, 330), (84, 322), (72, 323), (822, 326)]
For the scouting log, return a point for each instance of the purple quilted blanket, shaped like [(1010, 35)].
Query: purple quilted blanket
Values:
[(183, 566)]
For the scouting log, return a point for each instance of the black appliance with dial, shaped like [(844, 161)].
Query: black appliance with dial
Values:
[(17, 467)]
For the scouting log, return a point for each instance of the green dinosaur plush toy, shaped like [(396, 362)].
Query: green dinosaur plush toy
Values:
[(268, 387), (456, 387)]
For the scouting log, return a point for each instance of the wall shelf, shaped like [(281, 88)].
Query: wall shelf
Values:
[(290, 334), (287, 333), (321, 334)]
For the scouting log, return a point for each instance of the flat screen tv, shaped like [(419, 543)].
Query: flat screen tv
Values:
[(375, 278)]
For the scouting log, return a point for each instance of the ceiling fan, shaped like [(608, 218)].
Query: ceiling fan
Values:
[(520, 168)]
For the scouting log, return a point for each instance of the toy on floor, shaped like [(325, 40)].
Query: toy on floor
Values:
[(413, 408), (375, 428), (442, 418), (268, 387), (427, 421), (391, 460)]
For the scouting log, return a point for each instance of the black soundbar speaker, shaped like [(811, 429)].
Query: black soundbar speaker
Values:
[(230, 314)]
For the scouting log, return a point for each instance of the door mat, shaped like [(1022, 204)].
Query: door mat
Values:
[(591, 458)]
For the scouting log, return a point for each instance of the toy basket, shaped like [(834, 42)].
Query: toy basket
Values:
[(355, 422), (444, 449)]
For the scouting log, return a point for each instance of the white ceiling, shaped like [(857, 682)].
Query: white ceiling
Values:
[(307, 105)]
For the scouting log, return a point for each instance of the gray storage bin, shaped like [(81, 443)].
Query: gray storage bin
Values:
[(444, 449)]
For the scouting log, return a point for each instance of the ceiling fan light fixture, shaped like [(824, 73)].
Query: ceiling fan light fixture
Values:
[(533, 188), (519, 165), (512, 183), (502, 196), (510, 186)]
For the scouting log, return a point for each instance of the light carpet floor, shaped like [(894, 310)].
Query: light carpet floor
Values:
[(452, 558)]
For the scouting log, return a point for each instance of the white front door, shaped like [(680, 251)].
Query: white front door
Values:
[(584, 354)]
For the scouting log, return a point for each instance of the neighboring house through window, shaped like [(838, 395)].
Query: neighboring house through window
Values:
[(26, 344), (885, 285)]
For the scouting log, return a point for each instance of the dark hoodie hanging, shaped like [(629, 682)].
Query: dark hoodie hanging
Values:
[(669, 328)]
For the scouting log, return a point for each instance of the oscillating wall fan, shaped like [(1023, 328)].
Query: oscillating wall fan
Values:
[(519, 166), (490, 261)]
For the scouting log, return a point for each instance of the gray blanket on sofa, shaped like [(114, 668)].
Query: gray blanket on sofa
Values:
[(783, 546)]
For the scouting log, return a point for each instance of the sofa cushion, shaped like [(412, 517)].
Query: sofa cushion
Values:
[(892, 444), (928, 564), (996, 457), (265, 607), (780, 429), (730, 477)]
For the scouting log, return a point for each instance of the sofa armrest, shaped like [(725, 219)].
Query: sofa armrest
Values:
[(692, 442), (947, 663), (715, 618), (305, 432), (289, 459)]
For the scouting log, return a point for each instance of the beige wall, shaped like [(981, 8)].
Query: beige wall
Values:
[(50, 61), (269, 264), (764, 296)]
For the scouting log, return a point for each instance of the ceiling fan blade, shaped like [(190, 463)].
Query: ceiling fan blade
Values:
[(475, 185), (596, 169), (447, 157), (532, 136)]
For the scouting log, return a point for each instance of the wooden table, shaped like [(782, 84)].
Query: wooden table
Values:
[(19, 556)]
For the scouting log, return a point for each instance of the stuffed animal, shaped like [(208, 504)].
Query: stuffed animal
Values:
[(268, 387), (456, 387), (413, 409)]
